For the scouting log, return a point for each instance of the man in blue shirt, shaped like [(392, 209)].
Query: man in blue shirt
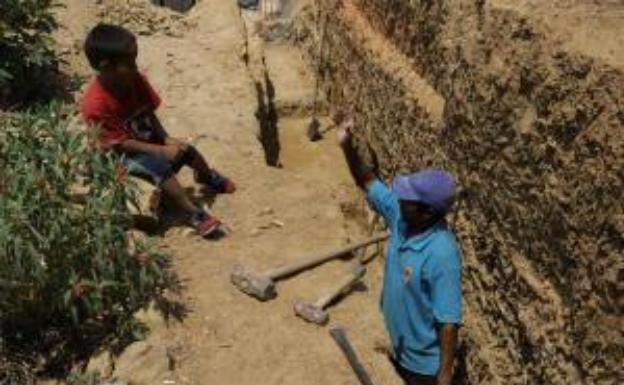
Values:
[(421, 298)]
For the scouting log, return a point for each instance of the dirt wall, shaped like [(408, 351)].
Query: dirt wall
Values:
[(535, 136)]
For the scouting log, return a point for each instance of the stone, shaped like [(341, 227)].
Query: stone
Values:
[(151, 317), (143, 364), (266, 211), (101, 363)]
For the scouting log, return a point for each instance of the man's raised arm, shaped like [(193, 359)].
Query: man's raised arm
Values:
[(362, 173), (379, 197)]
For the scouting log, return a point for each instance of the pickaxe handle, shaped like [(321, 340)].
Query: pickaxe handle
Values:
[(345, 283), (339, 335), (309, 262)]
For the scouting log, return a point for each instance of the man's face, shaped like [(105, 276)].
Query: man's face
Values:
[(416, 214)]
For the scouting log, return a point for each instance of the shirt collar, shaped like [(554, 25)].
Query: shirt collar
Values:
[(420, 241)]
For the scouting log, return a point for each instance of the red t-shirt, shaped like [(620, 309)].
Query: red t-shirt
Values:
[(113, 116)]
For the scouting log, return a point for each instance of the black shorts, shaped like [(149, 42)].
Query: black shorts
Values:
[(411, 378)]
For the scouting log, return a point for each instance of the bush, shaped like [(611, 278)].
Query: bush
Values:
[(26, 49), (67, 265), (14, 371)]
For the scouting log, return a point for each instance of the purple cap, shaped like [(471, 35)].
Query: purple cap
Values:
[(435, 188)]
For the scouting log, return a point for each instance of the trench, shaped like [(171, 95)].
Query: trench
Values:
[(285, 87), (255, 60)]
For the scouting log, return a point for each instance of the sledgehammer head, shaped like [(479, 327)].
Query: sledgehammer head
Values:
[(310, 312), (314, 131), (255, 285)]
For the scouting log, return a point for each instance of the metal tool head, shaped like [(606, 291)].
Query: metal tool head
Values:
[(255, 285), (314, 131), (310, 312)]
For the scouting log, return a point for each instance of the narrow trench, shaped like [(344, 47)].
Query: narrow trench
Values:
[(266, 114), (284, 89), (267, 117)]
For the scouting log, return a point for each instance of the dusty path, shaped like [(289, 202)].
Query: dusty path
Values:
[(229, 338)]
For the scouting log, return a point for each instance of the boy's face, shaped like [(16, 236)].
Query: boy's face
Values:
[(124, 70)]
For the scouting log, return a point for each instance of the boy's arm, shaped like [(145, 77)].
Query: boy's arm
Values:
[(169, 150), (133, 146), (158, 127)]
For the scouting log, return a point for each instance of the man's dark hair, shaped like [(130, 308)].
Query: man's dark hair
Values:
[(108, 43)]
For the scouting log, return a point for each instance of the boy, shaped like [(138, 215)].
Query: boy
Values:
[(421, 297), (120, 104)]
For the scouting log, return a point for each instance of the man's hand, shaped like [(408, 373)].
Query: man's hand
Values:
[(362, 173), (344, 131), (444, 379)]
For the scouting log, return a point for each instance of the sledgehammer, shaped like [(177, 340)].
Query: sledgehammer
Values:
[(315, 311), (262, 286)]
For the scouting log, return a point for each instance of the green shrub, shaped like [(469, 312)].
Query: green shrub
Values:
[(14, 371), (26, 49), (68, 264)]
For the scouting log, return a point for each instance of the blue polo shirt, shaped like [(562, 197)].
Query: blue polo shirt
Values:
[(422, 285)]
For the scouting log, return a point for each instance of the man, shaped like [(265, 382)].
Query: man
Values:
[(120, 103), (421, 298)]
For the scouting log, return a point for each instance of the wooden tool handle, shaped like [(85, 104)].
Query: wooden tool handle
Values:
[(339, 335), (309, 262), (349, 279)]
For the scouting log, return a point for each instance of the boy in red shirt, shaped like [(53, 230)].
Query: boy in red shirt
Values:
[(120, 104)]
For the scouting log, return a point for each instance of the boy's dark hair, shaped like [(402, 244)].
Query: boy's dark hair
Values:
[(108, 43)]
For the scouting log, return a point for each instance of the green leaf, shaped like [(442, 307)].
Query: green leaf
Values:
[(5, 75), (89, 245)]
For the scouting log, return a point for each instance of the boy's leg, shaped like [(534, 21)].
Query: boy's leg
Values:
[(175, 191), (159, 171), (203, 173), (191, 157), (204, 223)]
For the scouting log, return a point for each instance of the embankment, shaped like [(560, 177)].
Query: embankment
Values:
[(534, 132)]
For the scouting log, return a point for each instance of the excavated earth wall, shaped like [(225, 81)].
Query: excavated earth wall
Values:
[(534, 133)]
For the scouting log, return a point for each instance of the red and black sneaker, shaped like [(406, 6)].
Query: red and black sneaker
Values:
[(205, 224), (216, 182)]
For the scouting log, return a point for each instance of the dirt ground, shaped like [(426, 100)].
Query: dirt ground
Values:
[(196, 65), (208, 66), (591, 27)]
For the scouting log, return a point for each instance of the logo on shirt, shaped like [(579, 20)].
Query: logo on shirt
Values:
[(407, 274)]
